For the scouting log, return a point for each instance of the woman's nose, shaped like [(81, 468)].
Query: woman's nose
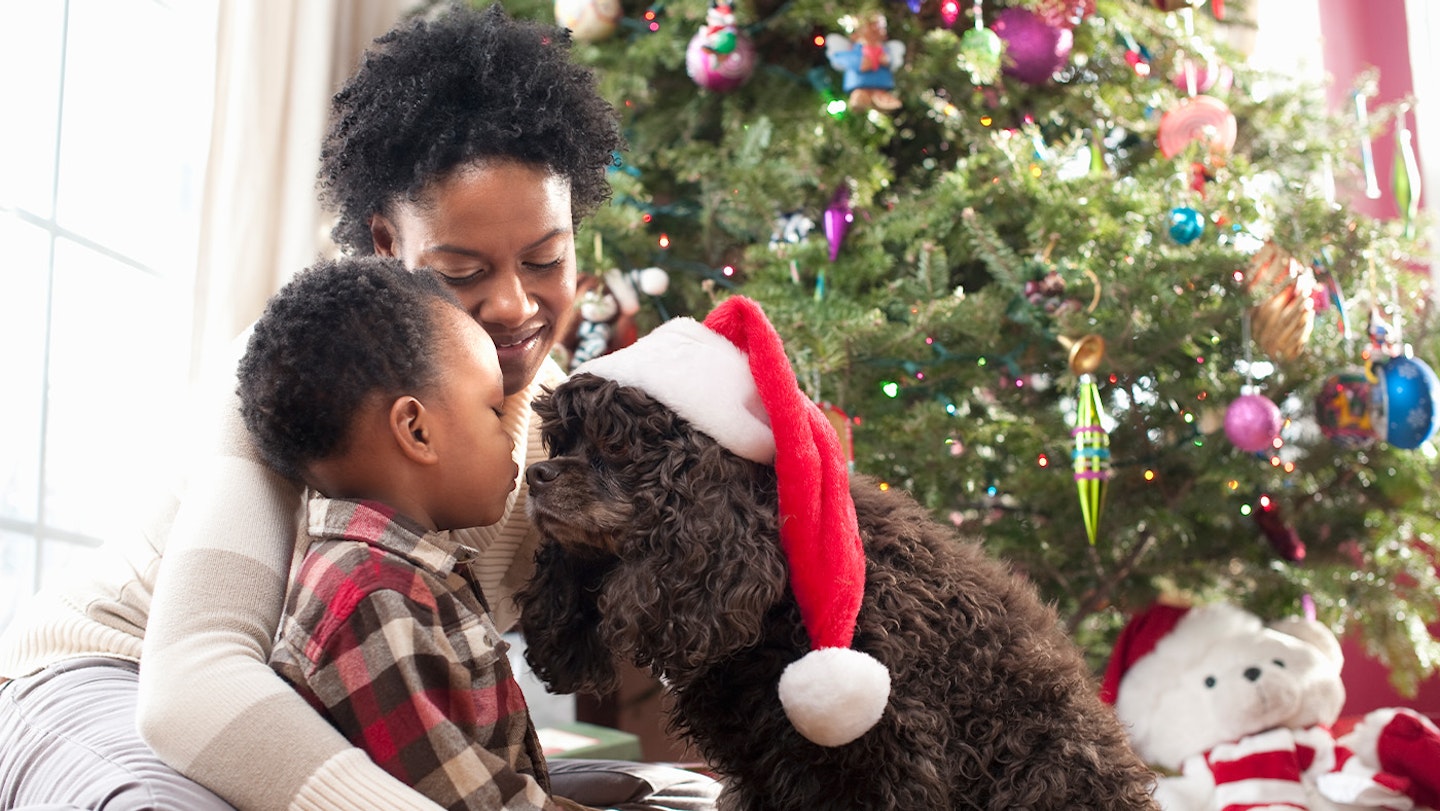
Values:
[(506, 301)]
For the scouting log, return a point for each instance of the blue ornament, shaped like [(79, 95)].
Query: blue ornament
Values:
[(1186, 224), (1406, 402)]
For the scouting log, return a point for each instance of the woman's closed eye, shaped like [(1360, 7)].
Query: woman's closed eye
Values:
[(546, 265), (460, 276)]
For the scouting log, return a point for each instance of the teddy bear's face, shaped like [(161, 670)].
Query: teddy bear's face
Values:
[(1218, 679)]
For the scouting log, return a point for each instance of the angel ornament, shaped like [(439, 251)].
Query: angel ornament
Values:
[(868, 63)]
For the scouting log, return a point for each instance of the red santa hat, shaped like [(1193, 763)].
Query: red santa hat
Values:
[(1139, 638), (730, 378)]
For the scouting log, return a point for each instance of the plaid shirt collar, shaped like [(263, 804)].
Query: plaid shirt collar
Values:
[(378, 524)]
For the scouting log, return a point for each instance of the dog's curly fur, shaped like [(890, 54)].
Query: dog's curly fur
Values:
[(661, 548)]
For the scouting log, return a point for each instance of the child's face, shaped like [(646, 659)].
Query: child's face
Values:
[(477, 466)]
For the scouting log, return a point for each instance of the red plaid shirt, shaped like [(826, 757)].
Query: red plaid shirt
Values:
[(388, 636)]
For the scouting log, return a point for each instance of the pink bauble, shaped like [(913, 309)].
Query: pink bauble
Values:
[(1034, 50), (721, 73), (1252, 422)]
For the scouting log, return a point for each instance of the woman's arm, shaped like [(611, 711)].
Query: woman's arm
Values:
[(210, 705)]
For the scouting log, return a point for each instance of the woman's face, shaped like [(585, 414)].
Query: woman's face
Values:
[(500, 234)]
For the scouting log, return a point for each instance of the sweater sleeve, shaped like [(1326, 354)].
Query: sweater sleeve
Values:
[(210, 705)]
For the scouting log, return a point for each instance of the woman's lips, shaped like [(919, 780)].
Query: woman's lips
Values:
[(517, 344)]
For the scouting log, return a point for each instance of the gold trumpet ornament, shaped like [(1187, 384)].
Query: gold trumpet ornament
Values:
[(1091, 456)]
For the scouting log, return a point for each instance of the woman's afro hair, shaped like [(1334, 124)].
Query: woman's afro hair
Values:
[(439, 92), (339, 332)]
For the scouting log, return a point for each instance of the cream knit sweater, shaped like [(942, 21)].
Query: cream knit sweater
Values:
[(209, 703)]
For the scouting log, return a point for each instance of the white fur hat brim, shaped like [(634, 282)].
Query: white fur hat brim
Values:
[(701, 376)]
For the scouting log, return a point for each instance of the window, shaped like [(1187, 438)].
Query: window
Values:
[(108, 106)]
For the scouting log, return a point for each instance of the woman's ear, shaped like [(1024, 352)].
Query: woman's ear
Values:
[(382, 234), (410, 426)]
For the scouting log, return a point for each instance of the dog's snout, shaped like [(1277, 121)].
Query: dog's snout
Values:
[(1252, 674), (541, 474)]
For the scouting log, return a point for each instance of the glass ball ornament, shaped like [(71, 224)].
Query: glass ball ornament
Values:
[(589, 20), (1406, 402), (1034, 48), (1252, 422), (720, 72), (1342, 409), (1186, 224)]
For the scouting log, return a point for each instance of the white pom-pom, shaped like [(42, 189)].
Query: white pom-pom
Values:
[(834, 695), (653, 281)]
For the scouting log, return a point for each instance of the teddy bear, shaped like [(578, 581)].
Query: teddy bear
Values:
[(1237, 714)]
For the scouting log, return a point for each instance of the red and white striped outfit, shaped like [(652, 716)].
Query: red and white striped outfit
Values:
[(1281, 769)]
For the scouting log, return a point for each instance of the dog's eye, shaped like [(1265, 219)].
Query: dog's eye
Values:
[(1279, 663), (1209, 681)]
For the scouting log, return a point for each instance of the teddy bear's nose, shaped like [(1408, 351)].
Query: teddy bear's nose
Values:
[(1252, 673)]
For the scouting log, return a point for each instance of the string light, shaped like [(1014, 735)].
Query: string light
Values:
[(986, 120), (1149, 475), (884, 486), (1244, 509), (1233, 484), (664, 240), (1043, 460), (890, 388)]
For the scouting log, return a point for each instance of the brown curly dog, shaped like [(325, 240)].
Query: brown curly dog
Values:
[(661, 547)]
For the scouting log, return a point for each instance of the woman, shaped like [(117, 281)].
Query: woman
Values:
[(472, 146)]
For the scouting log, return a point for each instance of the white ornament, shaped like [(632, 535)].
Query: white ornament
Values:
[(589, 20)]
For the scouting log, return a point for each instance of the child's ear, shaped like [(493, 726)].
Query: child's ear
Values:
[(410, 427)]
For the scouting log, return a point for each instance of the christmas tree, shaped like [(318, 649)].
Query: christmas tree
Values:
[(1069, 272)]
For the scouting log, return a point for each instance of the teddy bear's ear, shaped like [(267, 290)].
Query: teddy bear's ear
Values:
[(1323, 687), (1314, 633)]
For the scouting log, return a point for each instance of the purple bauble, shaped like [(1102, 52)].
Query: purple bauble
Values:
[(1252, 422), (1034, 50), (720, 73)]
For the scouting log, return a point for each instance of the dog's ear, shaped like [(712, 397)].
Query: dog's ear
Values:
[(560, 621), (697, 586)]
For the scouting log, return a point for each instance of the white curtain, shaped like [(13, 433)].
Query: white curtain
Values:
[(1423, 17), (278, 62)]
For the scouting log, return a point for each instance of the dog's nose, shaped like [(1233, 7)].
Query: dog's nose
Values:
[(541, 473), (1252, 673)]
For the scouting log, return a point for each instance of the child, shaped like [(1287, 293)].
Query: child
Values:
[(371, 385)]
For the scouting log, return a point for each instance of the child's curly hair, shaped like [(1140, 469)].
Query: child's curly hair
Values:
[(436, 93), (338, 332)]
